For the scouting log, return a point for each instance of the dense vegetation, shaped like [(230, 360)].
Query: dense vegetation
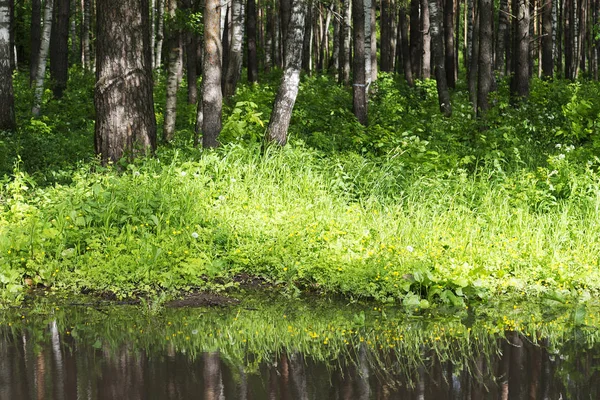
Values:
[(414, 208)]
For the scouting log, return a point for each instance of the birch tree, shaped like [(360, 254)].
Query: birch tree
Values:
[(234, 64), (288, 89), (125, 119), (42, 56), (437, 43), (174, 68), (7, 111)]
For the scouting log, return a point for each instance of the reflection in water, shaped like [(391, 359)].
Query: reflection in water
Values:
[(62, 368)]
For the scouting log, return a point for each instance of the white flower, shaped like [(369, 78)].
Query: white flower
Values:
[(183, 173), (195, 332), (558, 145), (554, 172), (561, 156), (195, 235), (222, 198), (410, 249), (233, 180)]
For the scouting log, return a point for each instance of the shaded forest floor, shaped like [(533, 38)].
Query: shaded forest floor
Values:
[(415, 208)]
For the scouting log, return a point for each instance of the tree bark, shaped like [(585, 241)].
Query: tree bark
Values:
[(251, 34), (307, 42), (426, 54), (473, 65), (191, 53), (547, 58), (174, 69), (288, 89), (59, 47), (406, 58), (36, 38), (416, 38), (125, 119), (437, 45), (387, 52), (373, 41), (450, 56), (234, 65), (158, 42), (484, 84), (334, 61), (7, 110), (85, 36), (285, 7), (520, 80), (212, 97), (359, 86), (270, 35), (502, 38), (345, 50), (42, 56)]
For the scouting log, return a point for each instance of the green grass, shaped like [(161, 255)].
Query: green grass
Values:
[(415, 209)]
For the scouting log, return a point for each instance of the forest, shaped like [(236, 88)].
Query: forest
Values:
[(422, 152)]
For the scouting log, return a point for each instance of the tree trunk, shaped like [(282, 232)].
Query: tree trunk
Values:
[(520, 80), (269, 36), (174, 69), (42, 56), (307, 42), (160, 24), (502, 38), (225, 36), (359, 86), (212, 365), (345, 50), (191, 53), (285, 7), (437, 45), (469, 22), (486, 17), (426, 54), (387, 52), (547, 58), (449, 43), (416, 38), (251, 34), (406, 58), (288, 89), (373, 41), (36, 38), (234, 65), (473, 66), (212, 97), (7, 109), (85, 36), (59, 47), (334, 61), (125, 119)]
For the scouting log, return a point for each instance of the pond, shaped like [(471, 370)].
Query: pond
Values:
[(272, 348)]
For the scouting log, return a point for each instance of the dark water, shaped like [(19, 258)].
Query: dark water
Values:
[(45, 358)]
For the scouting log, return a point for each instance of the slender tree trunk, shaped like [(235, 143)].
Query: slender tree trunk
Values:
[(386, 34), (277, 40), (359, 86), (270, 34), (73, 28), (285, 7), (324, 50), (373, 41), (36, 38), (437, 44), (472, 71), (406, 58), (43, 54), (547, 58), (449, 43), (225, 36), (59, 47), (416, 38), (7, 110), (346, 51), (212, 367), (502, 38), (426, 55), (85, 36), (307, 42), (334, 61), (234, 66), (251, 34), (212, 97), (160, 23), (125, 119), (288, 89), (486, 16), (469, 24), (174, 71), (191, 45), (520, 79)]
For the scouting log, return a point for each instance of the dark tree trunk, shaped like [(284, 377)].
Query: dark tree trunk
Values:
[(288, 89), (211, 106), (36, 38), (502, 37), (191, 45), (225, 36), (270, 34), (285, 7), (373, 42), (520, 80), (547, 58), (437, 45), (359, 86), (334, 61), (449, 43), (174, 71), (387, 51), (7, 111), (234, 65), (346, 50), (59, 47), (486, 16), (416, 38), (307, 42), (251, 34), (404, 45), (125, 120), (21, 31), (85, 35)]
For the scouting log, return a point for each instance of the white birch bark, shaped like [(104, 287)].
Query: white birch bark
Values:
[(234, 65), (41, 69), (7, 112)]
